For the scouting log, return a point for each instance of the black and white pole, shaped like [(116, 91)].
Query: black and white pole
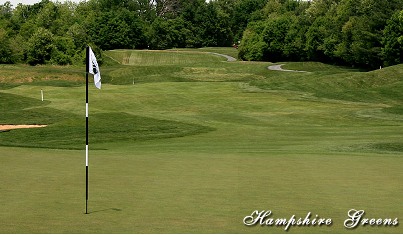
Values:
[(90, 58), (86, 129)]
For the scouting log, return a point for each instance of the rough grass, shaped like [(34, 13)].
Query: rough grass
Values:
[(379, 86), (194, 148), (58, 75), (161, 58), (175, 66)]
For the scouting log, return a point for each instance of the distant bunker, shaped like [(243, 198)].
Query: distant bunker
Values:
[(13, 127)]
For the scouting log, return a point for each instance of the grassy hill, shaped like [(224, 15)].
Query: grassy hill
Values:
[(198, 143)]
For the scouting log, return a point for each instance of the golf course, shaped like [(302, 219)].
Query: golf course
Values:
[(184, 141)]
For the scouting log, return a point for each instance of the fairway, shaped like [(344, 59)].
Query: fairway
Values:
[(183, 141)]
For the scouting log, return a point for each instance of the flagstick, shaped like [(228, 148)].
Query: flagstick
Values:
[(86, 131), (42, 94)]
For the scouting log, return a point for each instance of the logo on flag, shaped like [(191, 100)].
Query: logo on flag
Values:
[(94, 68)]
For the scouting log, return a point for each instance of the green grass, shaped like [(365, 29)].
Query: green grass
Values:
[(157, 66), (195, 146), (161, 58), (222, 50), (67, 130), (57, 75)]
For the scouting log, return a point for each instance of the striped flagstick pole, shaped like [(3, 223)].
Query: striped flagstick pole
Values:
[(86, 128), (94, 69)]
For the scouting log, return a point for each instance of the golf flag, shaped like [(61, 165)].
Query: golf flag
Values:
[(94, 68)]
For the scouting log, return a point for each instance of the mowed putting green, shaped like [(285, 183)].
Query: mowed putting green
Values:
[(196, 146)]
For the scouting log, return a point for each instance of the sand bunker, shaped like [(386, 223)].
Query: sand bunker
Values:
[(12, 127)]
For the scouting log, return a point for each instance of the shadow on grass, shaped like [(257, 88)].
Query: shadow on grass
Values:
[(103, 210)]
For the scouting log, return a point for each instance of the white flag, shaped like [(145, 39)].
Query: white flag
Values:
[(94, 69)]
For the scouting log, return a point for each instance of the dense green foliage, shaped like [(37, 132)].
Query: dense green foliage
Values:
[(361, 33), (57, 33), (351, 32)]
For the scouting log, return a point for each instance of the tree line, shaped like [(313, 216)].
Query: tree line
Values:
[(57, 33), (364, 33), (361, 33)]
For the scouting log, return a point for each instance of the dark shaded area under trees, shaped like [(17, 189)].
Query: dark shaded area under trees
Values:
[(362, 33)]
